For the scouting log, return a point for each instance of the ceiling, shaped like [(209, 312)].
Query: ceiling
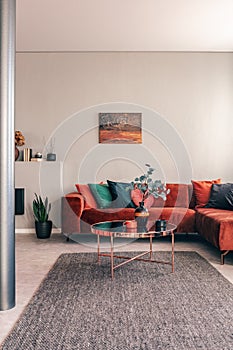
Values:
[(124, 25)]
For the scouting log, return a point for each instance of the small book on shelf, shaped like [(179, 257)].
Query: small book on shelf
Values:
[(27, 154)]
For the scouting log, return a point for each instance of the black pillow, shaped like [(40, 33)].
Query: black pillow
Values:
[(121, 194), (221, 196)]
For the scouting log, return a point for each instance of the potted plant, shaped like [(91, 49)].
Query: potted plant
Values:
[(41, 211)]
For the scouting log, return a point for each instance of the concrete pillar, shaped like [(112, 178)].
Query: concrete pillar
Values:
[(7, 149)]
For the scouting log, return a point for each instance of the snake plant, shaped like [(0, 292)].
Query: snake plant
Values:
[(41, 208)]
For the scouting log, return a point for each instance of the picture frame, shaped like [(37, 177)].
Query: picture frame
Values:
[(120, 128)]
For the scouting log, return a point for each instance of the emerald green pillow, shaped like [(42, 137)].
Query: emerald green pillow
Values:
[(101, 194)]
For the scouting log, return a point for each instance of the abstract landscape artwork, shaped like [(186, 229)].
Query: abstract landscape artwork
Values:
[(120, 127)]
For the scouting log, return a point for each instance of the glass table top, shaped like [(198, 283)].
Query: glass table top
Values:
[(121, 229)]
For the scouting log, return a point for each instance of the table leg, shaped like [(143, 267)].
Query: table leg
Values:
[(173, 254), (98, 248), (150, 247), (112, 270)]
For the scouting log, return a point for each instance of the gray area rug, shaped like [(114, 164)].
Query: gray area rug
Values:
[(78, 306)]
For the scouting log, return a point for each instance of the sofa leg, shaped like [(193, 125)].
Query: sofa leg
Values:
[(223, 255)]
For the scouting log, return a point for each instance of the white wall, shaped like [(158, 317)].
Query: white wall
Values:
[(187, 95), (132, 25)]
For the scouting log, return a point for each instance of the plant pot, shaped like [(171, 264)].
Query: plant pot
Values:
[(43, 229), (141, 215)]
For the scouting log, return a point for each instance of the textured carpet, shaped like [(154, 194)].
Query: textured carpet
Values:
[(78, 306)]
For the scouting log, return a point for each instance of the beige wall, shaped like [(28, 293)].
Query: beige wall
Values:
[(188, 96)]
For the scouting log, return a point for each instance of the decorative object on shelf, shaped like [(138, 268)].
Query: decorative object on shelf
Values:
[(51, 156), (120, 128), (16, 153), (38, 155), (41, 211), (144, 188), (19, 141)]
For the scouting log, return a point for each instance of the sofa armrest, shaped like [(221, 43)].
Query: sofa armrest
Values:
[(72, 209)]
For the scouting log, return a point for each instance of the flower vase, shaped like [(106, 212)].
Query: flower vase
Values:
[(141, 215)]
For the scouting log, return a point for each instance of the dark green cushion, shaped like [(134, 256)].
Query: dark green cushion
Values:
[(121, 194), (101, 194)]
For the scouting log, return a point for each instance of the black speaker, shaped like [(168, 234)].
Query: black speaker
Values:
[(19, 201)]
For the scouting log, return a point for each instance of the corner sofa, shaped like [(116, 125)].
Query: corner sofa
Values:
[(81, 209)]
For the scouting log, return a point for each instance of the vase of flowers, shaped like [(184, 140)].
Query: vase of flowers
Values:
[(19, 141), (51, 156), (146, 190)]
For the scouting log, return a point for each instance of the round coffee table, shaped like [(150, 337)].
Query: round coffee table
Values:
[(114, 229)]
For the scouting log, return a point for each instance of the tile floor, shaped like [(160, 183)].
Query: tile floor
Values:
[(35, 257)]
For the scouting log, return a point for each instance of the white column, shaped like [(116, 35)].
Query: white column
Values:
[(7, 147)]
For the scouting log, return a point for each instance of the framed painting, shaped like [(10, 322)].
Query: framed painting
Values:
[(120, 127)]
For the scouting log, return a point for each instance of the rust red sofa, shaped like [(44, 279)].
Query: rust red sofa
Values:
[(79, 212)]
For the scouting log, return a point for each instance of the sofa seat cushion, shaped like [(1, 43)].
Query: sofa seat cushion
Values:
[(91, 216), (182, 217), (216, 225)]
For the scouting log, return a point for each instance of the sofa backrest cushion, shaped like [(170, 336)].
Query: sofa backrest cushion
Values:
[(221, 196), (192, 200), (121, 194), (102, 195), (178, 197), (85, 191), (202, 191)]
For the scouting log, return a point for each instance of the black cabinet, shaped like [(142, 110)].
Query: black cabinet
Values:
[(19, 201)]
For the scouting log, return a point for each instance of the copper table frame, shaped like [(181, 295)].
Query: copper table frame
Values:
[(132, 233)]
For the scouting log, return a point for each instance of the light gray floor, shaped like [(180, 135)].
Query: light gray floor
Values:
[(35, 257)]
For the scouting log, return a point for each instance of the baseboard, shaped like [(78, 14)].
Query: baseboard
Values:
[(32, 230)]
